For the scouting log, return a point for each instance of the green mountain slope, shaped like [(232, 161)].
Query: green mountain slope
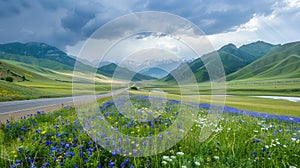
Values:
[(283, 62), (17, 89), (18, 73), (233, 59), (38, 54), (122, 73), (46, 56)]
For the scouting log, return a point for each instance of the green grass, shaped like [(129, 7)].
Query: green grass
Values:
[(240, 93), (237, 141), (249, 87), (43, 82)]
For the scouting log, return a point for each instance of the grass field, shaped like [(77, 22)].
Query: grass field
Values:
[(264, 105), (58, 140), (278, 87), (42, 82)]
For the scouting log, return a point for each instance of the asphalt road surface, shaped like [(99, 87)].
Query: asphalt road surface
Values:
[(23, 105)]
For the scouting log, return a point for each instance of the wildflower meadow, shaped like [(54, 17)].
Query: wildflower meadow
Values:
[(65, 138)]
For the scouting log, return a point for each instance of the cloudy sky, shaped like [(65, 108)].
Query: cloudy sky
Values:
[(66, 24)]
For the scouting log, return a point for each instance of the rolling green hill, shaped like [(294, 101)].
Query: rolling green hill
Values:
[(18, 73), (233, 59), (37, 54), (123, 73), (18, 89), (283, 62), (46, 56)]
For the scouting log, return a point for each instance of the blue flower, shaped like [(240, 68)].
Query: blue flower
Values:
[(47, 164), (18, 161), (99, 165), (127, 161), (113, 153), (81, 154), (254, 153), (23, 128), (111, 164)]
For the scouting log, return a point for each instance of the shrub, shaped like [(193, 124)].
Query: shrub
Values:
[(9, 79), (133, 88)]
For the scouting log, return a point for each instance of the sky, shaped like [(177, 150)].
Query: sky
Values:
[(67, 24)]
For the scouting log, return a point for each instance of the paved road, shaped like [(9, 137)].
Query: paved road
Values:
[(23, 105)]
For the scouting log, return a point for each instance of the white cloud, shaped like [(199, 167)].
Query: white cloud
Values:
[(281, 26)]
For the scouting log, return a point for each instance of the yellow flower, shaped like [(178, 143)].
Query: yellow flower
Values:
[(297, 141), (43, 132), (15, 156), (13, 152)]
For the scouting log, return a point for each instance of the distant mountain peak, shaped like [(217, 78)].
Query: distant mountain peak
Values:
[(229, 45)]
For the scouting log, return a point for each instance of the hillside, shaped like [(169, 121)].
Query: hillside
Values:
[(22, 77), (18, 73), (46, 56), (122, 73), (233, 59), (37, 54), (154, 72), (283, 62)]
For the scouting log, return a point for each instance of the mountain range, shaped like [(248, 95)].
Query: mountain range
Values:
[(257, 60), (46, 56), (233, 59)]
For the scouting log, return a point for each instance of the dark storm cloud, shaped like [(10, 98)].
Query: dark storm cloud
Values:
[(214, 16), (76, 19), (63, 23)]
